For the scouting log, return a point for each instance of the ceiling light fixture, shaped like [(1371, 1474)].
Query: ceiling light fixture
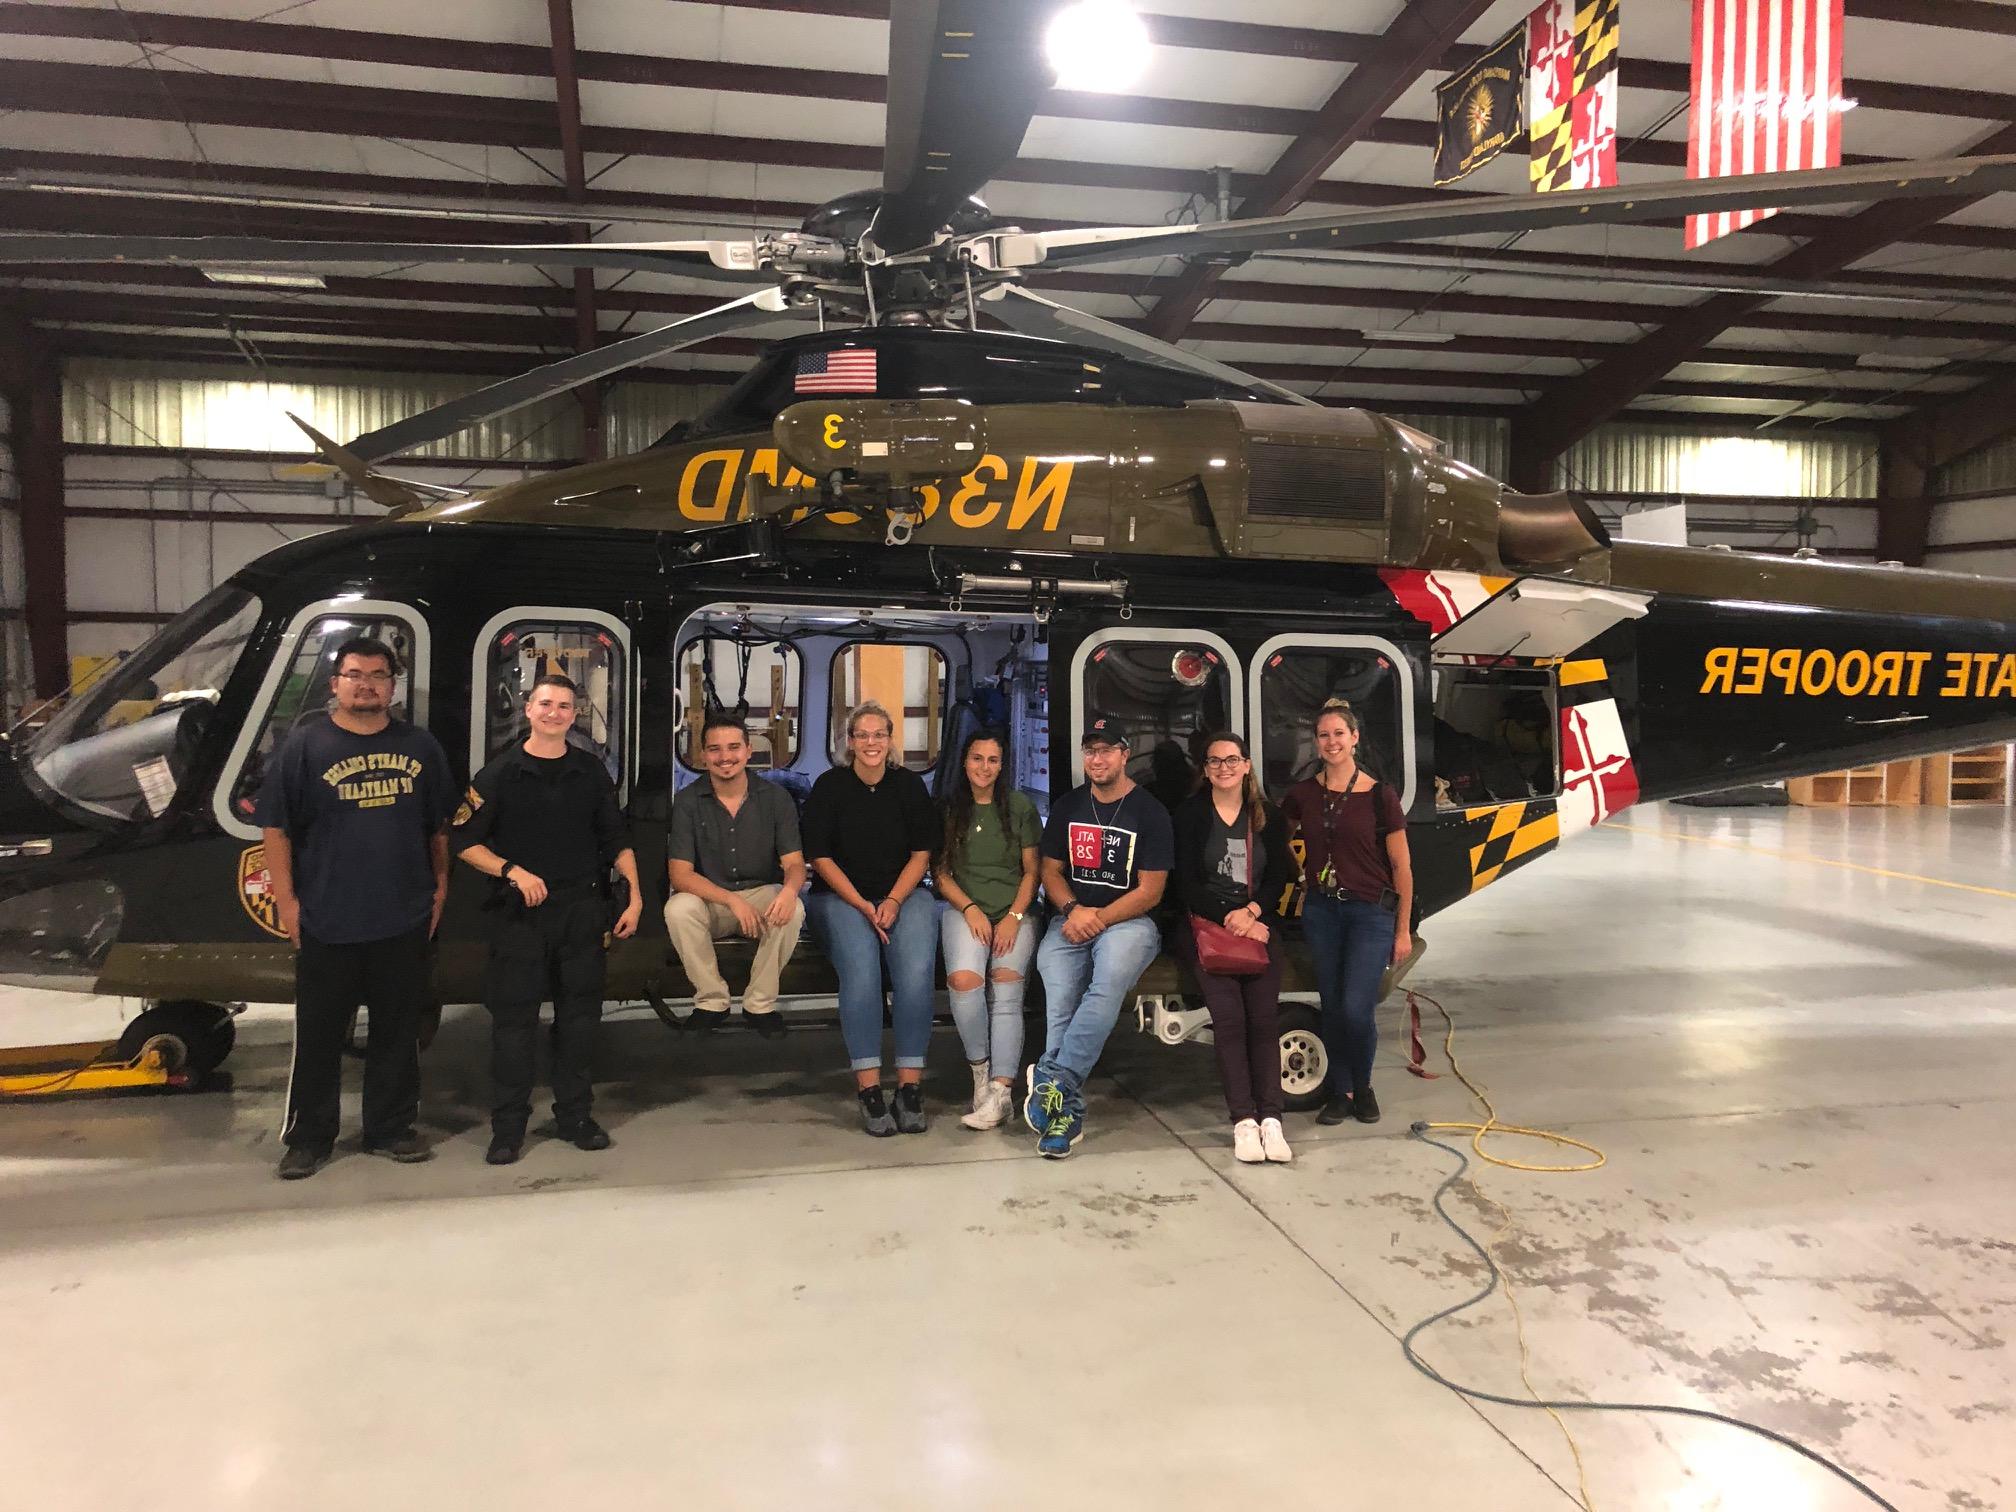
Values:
[(263, 278), (1430, 338), (1098, 45)]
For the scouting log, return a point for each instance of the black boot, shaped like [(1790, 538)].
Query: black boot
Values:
[(1337, 1110), (1365, 1107)]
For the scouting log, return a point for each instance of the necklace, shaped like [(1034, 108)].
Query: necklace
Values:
[(1323, 781), (1103, 820)]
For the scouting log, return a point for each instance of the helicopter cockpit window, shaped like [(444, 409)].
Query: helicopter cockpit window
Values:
[(1494, 734), (122, 746), (1169, 695), (589, 655), (761, 676), (908, 681), (1295, 683), (303, 691)]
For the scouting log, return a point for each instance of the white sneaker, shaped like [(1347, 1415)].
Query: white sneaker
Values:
[(990, 1108), (981, 1082), (1274, 1141), (1246, 1142)]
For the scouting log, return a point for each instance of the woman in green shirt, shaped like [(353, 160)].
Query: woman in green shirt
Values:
[(986, 875)]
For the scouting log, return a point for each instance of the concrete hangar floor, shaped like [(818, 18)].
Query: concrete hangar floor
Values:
[(1792, 1031)]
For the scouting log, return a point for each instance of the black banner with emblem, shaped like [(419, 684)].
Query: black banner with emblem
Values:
[(1481, 111)]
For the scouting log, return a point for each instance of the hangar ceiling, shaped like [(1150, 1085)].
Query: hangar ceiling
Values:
[(629, 119)]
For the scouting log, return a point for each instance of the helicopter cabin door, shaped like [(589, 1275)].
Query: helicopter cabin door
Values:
[(591, 647), (1498, 733)]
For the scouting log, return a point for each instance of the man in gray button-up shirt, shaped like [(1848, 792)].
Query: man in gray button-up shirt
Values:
[(737, 867)]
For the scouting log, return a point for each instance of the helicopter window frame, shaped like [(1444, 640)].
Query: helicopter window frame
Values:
[(683, 643), (1513, 675), (1322, 640), (1175, 637), (285, 651), (563, 615), (836, 735)]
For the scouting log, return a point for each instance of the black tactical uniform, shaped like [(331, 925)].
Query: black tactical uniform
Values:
[(557, 818)]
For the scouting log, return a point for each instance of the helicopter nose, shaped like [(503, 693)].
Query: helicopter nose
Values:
[(59, 935)]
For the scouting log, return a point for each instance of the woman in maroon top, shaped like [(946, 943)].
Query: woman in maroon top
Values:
[(1360, 895)]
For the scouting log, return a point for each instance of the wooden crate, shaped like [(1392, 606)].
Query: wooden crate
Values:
[(1906, 783), (1977, 776)]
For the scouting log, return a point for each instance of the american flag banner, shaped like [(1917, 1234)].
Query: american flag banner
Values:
[(1767, 96), (850, 370), (1571, 94)]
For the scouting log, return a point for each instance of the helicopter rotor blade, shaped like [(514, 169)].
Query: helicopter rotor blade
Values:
[(1033, 315), (756, 309), (703, 259), (965, 77), (1968, 176)]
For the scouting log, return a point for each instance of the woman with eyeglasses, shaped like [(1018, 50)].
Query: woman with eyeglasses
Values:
[(1360, 895), (1233, 869), (986, 877), (869, 830)]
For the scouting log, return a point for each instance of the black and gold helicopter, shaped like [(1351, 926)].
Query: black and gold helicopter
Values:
[(1009, 527)]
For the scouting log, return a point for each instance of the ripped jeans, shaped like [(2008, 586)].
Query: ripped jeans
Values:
[(989, 1016)]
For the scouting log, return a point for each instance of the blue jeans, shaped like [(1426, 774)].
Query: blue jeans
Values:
[(860, 958), (1350, 944), (989, 1016), (1084, 988)]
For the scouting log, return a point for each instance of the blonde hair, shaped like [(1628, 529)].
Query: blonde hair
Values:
[(1341, 707), (864, 710)]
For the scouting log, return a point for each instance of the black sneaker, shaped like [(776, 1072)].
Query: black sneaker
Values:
[(1365, 1107), (770, 1025), (407, 1148), (584, 1134), (910, 1117), (302, 1161), (504, 1149), (1337, 1110), (707, 1018), (875, 1116)]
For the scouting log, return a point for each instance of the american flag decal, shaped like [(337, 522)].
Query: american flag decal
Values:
[(850, 370)]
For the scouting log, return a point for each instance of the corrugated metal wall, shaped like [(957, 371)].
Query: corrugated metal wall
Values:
[(1483, 441), (1991, 469), (1657, 459), (112, 403)]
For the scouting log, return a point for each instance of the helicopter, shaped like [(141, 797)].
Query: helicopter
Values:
[(1014, 528)]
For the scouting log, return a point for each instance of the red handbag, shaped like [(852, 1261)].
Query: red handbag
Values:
[(1221, 952)]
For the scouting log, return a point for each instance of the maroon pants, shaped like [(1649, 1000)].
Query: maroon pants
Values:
[(1245, 1027)]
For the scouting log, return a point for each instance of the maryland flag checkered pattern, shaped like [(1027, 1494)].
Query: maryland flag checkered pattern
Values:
[(1507, 836), (1571, 94)]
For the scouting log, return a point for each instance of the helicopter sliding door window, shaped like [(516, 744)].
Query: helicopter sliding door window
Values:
[(1494, 733), (122, 745), (909, 680), (761, 677), (520, 646), (1167, 688), (1298, 674), (296, 690)]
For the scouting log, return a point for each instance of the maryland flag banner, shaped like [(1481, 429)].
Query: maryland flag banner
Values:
[(1481, 111), (1767, 96), (1571, 94)]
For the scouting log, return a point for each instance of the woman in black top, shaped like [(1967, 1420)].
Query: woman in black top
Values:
[(869, 830), (1233, 869)]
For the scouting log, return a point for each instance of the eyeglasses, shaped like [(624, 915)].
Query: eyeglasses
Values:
[(1223, 763), (380, 679)]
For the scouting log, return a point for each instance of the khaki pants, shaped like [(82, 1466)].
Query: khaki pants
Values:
[(695, 924)]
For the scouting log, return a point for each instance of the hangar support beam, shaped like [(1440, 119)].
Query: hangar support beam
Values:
[(587, 328), (1914, 446), (32, 377), (1418, 36), (1568, 411)]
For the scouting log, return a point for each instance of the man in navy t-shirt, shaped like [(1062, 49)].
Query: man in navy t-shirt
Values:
[(1107, 852), (355, 808)]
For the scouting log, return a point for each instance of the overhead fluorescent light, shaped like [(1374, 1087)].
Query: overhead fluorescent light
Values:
[(263, 278), (1903, 360), (1435, 338)]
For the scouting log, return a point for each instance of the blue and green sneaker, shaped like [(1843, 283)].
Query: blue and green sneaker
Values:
[(1058, 1141), (1043, 1102)]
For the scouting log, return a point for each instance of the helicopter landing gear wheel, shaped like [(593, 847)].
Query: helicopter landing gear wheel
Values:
[(192, 1038), (1305, 1064)]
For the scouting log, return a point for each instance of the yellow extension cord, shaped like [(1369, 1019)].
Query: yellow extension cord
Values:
[(1478, 1133)]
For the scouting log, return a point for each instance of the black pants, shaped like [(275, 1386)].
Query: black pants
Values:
[(552, 951), (1245, 1028), (388, 978)]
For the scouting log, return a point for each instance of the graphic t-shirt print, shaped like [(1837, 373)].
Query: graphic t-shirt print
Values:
[(1101, 855), (376, 779)]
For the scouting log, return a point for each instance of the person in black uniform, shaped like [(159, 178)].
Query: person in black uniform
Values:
[(543, 819)]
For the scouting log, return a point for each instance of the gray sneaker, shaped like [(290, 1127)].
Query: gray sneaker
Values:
[(910, 1117), (875, 1115)]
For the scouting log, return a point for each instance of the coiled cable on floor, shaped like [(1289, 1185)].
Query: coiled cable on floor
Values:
[(1496, 1278), (1480, 1132)]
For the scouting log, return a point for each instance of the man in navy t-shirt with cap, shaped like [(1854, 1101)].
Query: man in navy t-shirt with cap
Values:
[(1107, 852)]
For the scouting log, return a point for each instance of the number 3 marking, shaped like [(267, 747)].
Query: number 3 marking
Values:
[(833, 437)]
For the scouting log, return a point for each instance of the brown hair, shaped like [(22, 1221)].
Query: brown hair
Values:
[(1249, 790), (1341, 707)]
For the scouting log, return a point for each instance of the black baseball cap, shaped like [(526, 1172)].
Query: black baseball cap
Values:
[(1105, 730)]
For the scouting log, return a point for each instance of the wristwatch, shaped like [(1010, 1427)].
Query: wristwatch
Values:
[(505, 874)]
